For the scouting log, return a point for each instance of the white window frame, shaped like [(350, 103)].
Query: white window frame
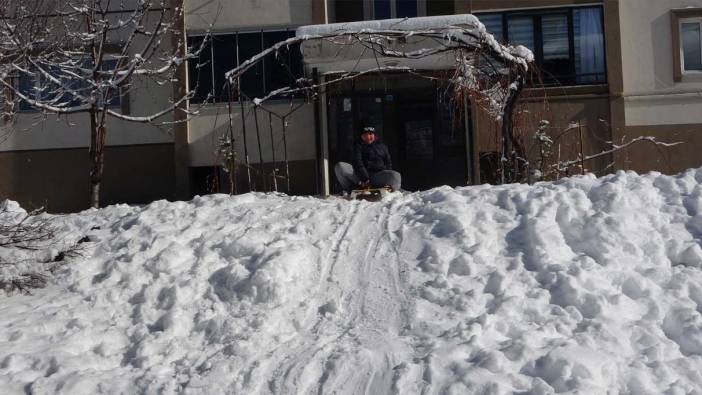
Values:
[(682, 53), (369, 9)]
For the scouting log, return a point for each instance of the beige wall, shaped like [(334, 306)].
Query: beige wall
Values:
[(227, 15), (205, 130), (650, 93), (32, 131), (653, 103)]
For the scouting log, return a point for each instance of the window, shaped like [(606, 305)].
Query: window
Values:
[(686, 26), (225, 51), (115, 98), (200, 75), (440, 7), (520, 30), (251, 82), (388, 9), (382, 9), (406, 8), (568, 44), (348, 11), (28, 87), (691, 45), (555, 50), (589, 48), (358, 10), (493, 24), (38, 86)]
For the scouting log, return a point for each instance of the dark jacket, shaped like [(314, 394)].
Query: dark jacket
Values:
[(369, 159)]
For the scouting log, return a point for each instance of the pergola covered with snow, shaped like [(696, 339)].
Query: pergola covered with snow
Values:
[(483, 70)]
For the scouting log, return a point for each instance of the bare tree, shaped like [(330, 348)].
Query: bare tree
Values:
[(80, 56)]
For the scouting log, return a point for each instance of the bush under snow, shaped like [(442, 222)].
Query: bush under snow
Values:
[(581, 286)]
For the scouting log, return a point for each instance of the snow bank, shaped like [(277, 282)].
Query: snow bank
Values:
[(581, 286)]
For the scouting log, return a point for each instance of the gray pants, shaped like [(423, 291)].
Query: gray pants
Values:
[(349, 181)]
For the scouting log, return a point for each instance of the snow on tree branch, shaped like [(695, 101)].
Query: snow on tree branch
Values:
[(561, 166), (82, 56)]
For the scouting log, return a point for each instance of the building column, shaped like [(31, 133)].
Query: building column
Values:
[(615, 78), (320, 12)]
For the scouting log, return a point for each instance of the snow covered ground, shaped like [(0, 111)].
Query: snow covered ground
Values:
[(586, 285)]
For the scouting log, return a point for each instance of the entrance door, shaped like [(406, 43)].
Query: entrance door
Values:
[(434, 149), (426, 143)]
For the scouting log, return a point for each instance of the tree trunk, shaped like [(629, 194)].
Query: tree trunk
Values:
[(509, 143), (97, 156)]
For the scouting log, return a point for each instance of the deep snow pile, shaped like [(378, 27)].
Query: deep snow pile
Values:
[(583, 286)]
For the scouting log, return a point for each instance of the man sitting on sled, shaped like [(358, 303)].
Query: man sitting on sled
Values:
[(372, 167)]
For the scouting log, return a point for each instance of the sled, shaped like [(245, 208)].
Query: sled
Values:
[(369, 194)]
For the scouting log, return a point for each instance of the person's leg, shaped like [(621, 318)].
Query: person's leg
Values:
[(387, 177), (344, 174)]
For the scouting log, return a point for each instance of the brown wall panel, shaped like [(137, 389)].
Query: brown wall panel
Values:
[(209, 179), (302, 177), (54, 179), (139, 174), (593, 116), (592, 112), (58, 179), (644, 157)]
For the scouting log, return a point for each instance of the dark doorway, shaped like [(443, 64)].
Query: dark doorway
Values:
[(416, 118)]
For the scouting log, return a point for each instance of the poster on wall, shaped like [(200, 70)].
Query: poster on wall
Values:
[(419, 139)]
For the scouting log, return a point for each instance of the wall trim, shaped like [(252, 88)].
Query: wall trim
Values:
[(563, 91), (82, 148)]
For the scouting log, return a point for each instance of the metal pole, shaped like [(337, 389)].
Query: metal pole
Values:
[(285, 152), (317, 137), (275, 167), (260, 151), (232, 165), (582, 154), (246, 146)]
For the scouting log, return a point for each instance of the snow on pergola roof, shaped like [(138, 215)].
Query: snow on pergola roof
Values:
[(466, 28), (466, 21), (459, 42), (448, 32)]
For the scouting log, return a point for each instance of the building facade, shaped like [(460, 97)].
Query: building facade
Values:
[(44, 158), (615, 68), (661, 87)]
